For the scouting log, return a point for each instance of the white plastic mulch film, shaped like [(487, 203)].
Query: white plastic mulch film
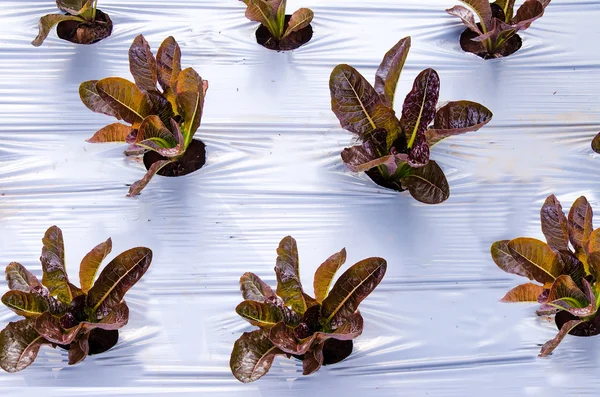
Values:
[(434, 326)]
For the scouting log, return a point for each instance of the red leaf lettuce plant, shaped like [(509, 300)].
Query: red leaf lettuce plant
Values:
[(279, 31), (82, 320), (567, 274), (496, 33), (161, 122), (395, 153), (319, 330), (82, 23)]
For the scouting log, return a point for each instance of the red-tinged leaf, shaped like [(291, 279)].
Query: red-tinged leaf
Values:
[(593, 257), (153, 129), (572, 266), (259, 11), (457, 118), (596, 143), (418, 112), (507, 7), (554, 224), (125, 98), (142, 64), (50, 328), (357, 105), (47, 22), (504, 260), (388, 72), (527, 13), (137, 186), (260, 314), (21, 279), (553, 343), (190, 100), (161, 106), (117, 318), (467, 17), (580, 223), (116, 279), (252, 356), (168, 63), (363, 157), (53, 264), (289, 286), (115, 132), (79, 348), (284, 338), (565, 290), (427, 184), (483, 10), (254, 289), (350, 329), (352, 288), (26, 304), (93, 101), (90, 264), (300, 19), (528, 292), (326, 272), (313, 360), (19, 345), (71, 6), (536, 258)]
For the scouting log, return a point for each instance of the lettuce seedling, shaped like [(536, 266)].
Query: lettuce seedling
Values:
[(279, 31), (82, 320), (82, 23), (162, 121), (395, 153), (318, 331), (495, 35), (567, 274)]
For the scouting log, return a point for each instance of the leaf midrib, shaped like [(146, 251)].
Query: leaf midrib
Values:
[(360, 102)]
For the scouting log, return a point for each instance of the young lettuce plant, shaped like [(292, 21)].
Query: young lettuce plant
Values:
[(496, 35), (83, 320), (318, 331), (395, 153), (82, 23), (568, 274), (279, 31), (162, 122)]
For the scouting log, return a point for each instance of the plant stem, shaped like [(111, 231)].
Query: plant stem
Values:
[(94, 7)]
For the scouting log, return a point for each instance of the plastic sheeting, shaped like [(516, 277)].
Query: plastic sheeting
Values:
[(434, 326)]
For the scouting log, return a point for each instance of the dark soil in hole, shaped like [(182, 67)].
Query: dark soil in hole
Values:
[(475, 47), (589, 328), (376, 177), (100, 340), (193, 159), (86, 32), (291, 42), (334, 351)]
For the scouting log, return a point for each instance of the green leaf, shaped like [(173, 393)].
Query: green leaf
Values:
[(254, 289), (137, 186), (427, 184), (152, 129), (553, 343), (351, 288), (168, 63), (115, 132), (388, 73), (252, 356), (21, 279), (47, 22), (90, 264), (27, 304), (190, 101), (555, 225), (19, 345), (528, 292), (580, 223), (50, 328), (300, 19), (326, 272), (289, 286), (53, 264), (483, 10), (117, 278), (125, 98), (357, 105), (93, 101), (457, 118), (467, 16), (260, 314), (142, 64), (536, 258)]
